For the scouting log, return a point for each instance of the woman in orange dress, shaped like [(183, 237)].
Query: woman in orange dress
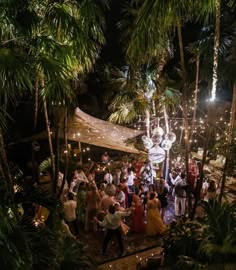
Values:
[(154, 224), (138, 224)]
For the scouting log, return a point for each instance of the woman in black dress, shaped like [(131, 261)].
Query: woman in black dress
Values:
[(162, 192)]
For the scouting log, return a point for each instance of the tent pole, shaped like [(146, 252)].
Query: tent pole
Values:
[(80, 153)]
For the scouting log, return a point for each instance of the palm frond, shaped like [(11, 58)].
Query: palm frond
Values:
[(15, 72), (124, 113), (75, 256), (4, 116), (14, 248)]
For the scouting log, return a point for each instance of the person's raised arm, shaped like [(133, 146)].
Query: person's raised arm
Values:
[(172, 179)]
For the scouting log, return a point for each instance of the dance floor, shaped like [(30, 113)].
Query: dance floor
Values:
[(131, 262), (135, 244)]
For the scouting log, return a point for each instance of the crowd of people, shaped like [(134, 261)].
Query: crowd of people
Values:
[(132, 198), (118, 201)]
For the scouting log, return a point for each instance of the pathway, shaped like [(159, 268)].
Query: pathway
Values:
[(132, 262)]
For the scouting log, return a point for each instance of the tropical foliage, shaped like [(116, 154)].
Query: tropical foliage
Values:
[(44, 47), (209, 243)]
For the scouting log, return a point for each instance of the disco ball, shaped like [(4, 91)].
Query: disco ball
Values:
[(158, 130), (156, 138), (156, 154), (171, 137), (166, 144)]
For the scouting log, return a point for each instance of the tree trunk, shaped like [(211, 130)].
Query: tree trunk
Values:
[(229, 143), (147, 112), (167, 160), (2, 175), (216, 50), (80, 153), (184, 93), (57, 148), (185, 107), (209, 127), (66, 153), (4, 164), (201, 175), (48, 132), (195, 101), (36, 102), (36, 105)]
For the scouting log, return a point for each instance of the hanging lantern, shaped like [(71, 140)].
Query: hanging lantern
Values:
[(158, 130), (148, 143), (171, 137), (156, 138), (156, 154), (166, 144)]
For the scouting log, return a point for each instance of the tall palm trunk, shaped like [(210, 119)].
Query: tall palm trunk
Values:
[(66, 153), (4, 164), (185, 107), (209, 127), (229, 143), (147, 113), (57, 146), (195, 101), (184, 93), (216, 49), (2, 175), (167, 161), (36, 102), (36, 105), (48, 131)]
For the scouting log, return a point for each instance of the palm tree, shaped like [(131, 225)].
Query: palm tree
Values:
[(216, 49), (226, 60), (150, 16), (68, 47), (141, 92), (130, 100), (15, 77), (229, 142)]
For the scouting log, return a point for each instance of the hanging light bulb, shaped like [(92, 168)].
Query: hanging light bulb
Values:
[(171, 137), (148, 143), (166, 144)]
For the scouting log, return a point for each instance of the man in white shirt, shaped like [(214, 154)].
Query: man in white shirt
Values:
[(120, 196), (130, 179), (108, 177), (180, 194), (112, 222), (70, 213), (147, 173)]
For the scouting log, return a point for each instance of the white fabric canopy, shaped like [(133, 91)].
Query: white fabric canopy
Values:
[(88, 129)]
